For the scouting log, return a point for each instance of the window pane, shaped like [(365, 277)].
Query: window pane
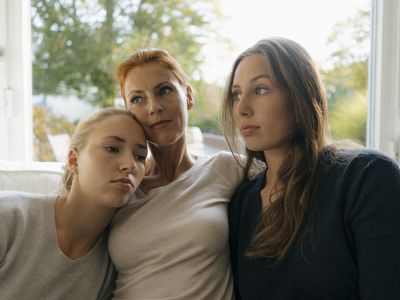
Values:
[(78, 44)]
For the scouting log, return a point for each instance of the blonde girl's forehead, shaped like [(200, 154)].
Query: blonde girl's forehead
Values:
[(117, 119)]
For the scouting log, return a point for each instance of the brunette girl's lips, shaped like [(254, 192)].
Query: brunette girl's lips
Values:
[(248, 130), (159, 124)]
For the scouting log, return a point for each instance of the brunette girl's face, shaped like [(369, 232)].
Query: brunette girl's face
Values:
[(159, 102), (261, 109), (111, 164)]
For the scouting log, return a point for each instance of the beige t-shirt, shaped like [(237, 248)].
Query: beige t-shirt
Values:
[(172, 243)]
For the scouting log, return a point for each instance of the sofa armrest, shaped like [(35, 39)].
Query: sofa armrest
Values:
[(37, 177)]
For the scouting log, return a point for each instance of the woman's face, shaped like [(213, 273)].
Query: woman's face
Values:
[(159, 101), (261, 109), (111, 164)]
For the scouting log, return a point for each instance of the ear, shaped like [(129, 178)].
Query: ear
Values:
[(72, 160), (189, 97)]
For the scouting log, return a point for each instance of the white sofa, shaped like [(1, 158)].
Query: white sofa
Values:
[(37, 177)]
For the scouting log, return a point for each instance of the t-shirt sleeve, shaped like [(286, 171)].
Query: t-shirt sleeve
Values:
[(229, 170), (234, 209), (375, 224)]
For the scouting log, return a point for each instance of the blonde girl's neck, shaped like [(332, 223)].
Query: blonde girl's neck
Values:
[(79, 225)]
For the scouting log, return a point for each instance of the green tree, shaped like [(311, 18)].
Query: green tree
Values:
[(77, 44), (348, 118), (346, 78), (45, 122)]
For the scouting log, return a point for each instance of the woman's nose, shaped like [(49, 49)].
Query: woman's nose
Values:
[(128, 163), (242, 107), (155, 107)]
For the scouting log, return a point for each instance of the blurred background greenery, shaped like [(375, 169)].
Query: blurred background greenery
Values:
[(77, 45)]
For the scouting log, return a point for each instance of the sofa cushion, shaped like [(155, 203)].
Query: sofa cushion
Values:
[(37, 177)]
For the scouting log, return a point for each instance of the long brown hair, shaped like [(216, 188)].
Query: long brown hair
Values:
[(295, 73)]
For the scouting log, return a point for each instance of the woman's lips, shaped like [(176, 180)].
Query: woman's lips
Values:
[(160, 124), (248, 130)]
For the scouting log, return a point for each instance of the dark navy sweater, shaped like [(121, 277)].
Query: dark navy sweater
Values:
[(354, 249)]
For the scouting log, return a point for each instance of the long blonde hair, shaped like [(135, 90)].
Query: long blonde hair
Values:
[(294, 72)]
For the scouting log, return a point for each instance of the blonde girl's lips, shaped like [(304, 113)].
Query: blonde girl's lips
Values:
[(123, 182), (248, 130)]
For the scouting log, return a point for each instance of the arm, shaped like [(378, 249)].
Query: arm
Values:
[(375, 223), (6, 225), (233, 213)]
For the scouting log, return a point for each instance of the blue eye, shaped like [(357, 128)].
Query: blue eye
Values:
[(164, 90), (112, 149), (135, 100)]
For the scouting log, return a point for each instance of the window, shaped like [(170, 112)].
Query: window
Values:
[(15, 79), (384, 81)]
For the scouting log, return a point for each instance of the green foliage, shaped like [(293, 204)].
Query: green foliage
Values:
[(348, 118), (77, 44), (205, 113), (346, 78), (46, 122)]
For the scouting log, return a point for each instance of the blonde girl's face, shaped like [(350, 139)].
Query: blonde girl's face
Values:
[(111, 165), (159, 101), (261, 109)]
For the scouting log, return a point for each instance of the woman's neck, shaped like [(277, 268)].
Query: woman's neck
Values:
[(272, 186), (79, 224), (166, 164), (275, 157)]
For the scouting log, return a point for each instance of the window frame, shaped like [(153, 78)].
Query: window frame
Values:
[(16, 81), (383, 123)]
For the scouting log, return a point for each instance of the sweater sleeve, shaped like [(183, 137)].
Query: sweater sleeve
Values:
[(3, 235), (375, 225), (7, 225), (234, 213)]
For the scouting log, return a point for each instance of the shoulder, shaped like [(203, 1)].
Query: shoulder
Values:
[(27, 198), (221, 157), (364, 178), (18, 212), (365, 154), (362, 161), (224, 161), (359, 171), (248, 188), (244, 199), (224, 165), (254, 182), (16, 204)]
